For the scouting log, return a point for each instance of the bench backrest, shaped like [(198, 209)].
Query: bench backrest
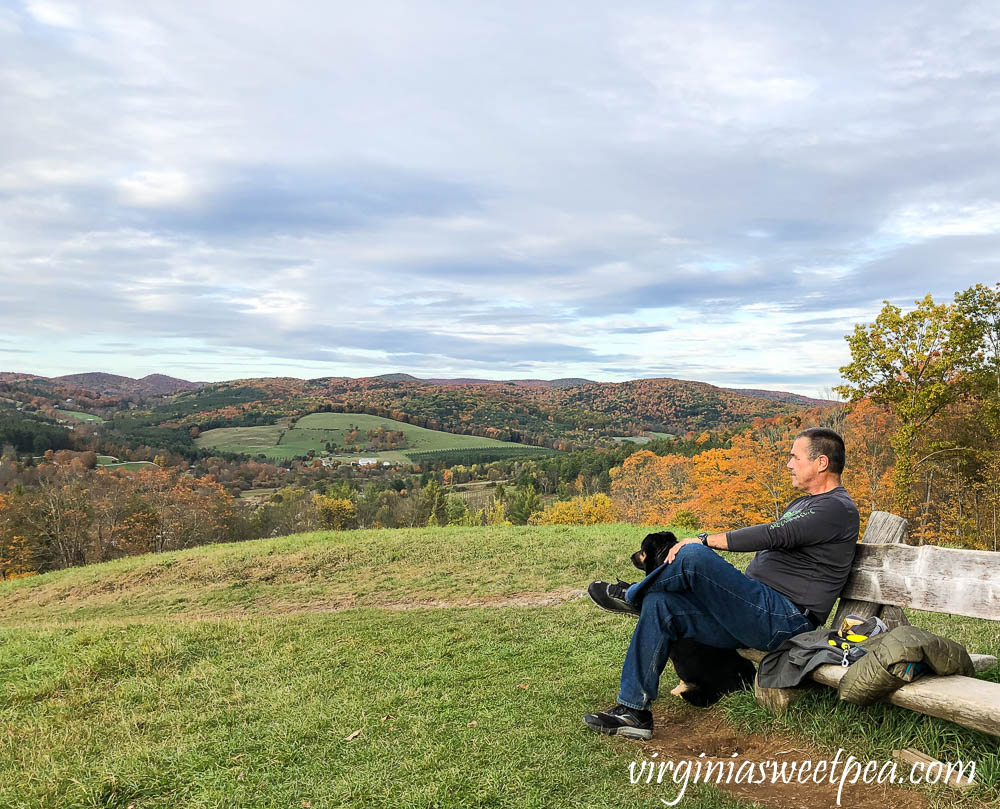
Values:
[(888, 574)]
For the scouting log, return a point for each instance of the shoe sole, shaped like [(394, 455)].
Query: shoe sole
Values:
[(629, 732), (615, 611)]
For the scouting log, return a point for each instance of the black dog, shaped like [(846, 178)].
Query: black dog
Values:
[(707, 672)]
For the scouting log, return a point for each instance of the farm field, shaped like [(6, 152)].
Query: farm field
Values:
[(422, 668), (246, 440), (645, 438), (75, 414), (110, 462), (312, 433)]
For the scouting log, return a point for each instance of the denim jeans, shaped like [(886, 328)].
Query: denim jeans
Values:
[(703, 597)]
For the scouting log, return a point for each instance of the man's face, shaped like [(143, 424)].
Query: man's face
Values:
[(805, 472)]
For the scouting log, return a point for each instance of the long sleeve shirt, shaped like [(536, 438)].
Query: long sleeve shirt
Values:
[(807, 553)]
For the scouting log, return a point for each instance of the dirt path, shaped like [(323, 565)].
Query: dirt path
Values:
[(525, 599), (529, 599)]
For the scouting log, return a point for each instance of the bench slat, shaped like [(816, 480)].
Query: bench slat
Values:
[(966, 701), (928, 578)]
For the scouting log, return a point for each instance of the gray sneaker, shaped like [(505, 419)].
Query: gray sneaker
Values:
[(622, 721)]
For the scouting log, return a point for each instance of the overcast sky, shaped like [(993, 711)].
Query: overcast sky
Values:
[(710, 191)]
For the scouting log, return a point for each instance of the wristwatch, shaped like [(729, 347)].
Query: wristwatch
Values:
[(703, 536)]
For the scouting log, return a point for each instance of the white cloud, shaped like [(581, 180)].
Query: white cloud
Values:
[(375, 180), (933, 219), (154, 188), (60, 15)]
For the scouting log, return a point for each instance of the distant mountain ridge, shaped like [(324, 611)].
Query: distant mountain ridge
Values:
[(99, 382), (558, 414), (782, 396), (163, 385), (150, 385)]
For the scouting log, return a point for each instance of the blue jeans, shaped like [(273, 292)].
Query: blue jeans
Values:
[(703, 597)]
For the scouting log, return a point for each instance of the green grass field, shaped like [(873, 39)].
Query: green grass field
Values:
[(76, 414), (247, 440), (313, 432), (110, 462), (412, 668), (645, 438)]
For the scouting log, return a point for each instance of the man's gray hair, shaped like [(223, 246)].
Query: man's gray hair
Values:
[(824, 441)]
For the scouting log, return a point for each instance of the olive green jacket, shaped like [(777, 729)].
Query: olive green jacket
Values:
[(898, 657)]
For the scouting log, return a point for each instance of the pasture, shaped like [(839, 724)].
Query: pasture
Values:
[(284, 441), (645, 438), (110, 462), (79, 416)]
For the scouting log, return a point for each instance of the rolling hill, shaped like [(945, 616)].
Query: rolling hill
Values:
[(557, 414)]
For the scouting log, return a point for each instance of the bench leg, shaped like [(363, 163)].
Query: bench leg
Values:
[(776, 699)]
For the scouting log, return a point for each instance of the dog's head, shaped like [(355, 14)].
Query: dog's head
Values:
[(653, 551)]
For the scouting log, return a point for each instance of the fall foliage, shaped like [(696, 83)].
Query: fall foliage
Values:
[(922, 430), (577, 511), (75, 517)]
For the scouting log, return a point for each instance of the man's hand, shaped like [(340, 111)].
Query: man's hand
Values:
[(673, 551)]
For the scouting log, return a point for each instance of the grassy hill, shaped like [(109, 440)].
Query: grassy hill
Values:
[(313, 432), (532, 414), (409, 668)]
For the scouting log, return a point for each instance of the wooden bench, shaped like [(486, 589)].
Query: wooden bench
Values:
[(889, 575)]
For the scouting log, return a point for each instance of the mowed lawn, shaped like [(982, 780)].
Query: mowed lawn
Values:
[(413, 668), (314, 431)]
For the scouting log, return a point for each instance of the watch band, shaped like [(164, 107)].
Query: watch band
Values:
[(703, 536)]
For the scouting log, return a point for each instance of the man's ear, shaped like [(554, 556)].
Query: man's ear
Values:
[(824, 463)]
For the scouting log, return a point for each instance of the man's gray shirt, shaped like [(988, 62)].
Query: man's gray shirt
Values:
[(807, 553)]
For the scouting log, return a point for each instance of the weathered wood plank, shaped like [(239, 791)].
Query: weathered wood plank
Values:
[(893, 616), (882, 528), (754, 655), (966, 701), (928, 578)]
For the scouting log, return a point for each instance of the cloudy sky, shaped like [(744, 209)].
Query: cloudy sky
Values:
[(710, 191)]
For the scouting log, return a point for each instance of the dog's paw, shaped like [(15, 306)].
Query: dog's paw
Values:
[(681, 688)]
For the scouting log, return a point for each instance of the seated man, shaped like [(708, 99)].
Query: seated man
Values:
[(802, 563)]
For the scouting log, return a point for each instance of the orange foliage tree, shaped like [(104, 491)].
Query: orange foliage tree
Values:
[(744, 484), (868, 475), (647, 488)]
